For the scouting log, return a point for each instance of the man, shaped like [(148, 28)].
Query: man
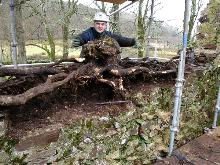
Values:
[(99, 30)]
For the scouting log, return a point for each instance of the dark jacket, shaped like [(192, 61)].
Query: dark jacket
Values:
[(91, 34)]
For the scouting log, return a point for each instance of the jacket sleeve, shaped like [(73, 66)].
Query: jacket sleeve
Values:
[(123, 41), (85, 36)]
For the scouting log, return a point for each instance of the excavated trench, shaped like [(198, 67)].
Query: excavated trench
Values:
[(71, 95), (64, 106)]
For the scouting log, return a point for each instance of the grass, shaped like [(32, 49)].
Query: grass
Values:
[(37, 54), (163, 53), (33, 51)]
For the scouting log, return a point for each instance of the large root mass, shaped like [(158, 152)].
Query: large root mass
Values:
[(102, 66)]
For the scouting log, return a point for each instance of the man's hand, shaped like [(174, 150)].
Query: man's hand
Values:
[(76, 41)]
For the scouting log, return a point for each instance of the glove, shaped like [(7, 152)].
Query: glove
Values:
[(137, 45), (76, 41)]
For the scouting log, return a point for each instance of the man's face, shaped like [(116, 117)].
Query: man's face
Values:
[(100, 26)]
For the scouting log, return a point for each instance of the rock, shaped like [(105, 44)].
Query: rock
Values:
[(113, 155), (101, 162), (104, 118), (117, 125), (38, 140)]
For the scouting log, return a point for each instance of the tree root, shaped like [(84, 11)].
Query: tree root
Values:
[(103, 67)]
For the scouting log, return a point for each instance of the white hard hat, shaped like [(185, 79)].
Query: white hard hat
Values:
[(100, 16)]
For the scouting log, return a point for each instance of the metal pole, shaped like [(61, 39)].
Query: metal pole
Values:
[(179, 80), (35, 64), (217, 109), (13, 34)]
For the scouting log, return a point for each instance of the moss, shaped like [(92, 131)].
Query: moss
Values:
[(142, 133), (7, 144), (6, 147)]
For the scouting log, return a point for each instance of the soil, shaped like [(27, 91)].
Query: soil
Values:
[(59, 95), (63, 107), (204, 150)]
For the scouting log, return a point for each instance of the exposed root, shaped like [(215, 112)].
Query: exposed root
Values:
[(101, 66)]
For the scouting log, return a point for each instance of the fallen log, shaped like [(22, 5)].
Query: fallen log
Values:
[(47, 69), (54, 82), (28, 71)]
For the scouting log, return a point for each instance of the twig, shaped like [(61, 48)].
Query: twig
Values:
[(113, 102)]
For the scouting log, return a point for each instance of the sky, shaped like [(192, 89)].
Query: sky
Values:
[(169, 11), (172, 12)]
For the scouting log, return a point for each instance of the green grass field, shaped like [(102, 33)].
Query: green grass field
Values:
[(36, 54)]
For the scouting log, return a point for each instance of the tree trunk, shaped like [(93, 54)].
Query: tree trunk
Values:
[(195, 8), (140, 30), (51, 43), (65, 31), (149, 29), (191, 21), (50, 38), (103, 7), (115, 26), (22, 58), (67, 14)]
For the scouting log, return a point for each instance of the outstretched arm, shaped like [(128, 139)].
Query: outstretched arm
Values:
[(82, 38), (124, 41)]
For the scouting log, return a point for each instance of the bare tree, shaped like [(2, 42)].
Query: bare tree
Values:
[(144, 24), (141, 25), (195, 8), (40, 11), (115, 27), (20, 33), (13, 34), (68, 10), (149, 28), (101, 7), (5, 31)]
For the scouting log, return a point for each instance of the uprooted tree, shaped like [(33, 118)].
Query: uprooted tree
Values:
[(102, 66)]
